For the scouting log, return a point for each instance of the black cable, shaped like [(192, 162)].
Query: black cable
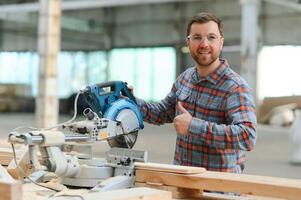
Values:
[(34, 182)]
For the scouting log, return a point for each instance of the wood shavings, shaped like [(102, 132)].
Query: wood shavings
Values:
[(54, 184)]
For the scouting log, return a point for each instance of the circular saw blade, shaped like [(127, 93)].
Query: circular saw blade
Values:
[(124, 141), (130, 125)]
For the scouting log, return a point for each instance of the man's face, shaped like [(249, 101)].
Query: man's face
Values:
[(205, 43)]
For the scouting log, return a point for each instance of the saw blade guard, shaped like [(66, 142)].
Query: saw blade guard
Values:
[(127, 113), (126, 110)]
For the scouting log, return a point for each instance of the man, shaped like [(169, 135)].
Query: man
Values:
[(210, 105)]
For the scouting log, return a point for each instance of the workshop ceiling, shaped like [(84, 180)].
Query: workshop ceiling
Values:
[(104, 24)]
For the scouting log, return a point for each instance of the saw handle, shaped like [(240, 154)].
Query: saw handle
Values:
[(117, 88), (99, 99)]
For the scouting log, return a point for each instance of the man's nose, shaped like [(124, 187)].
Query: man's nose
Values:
[(204, 42)]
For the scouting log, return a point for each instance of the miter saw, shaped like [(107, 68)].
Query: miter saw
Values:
[(113, 116), (122, 114)]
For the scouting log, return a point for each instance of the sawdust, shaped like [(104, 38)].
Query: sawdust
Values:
[(34, 192)]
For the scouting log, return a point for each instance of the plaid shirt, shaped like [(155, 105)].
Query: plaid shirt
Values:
[(223, 124)]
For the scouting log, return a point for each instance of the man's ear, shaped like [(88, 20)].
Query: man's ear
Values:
[(187, 42), (222, 43)]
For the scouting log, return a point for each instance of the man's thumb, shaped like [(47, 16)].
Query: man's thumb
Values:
[(181, 108)]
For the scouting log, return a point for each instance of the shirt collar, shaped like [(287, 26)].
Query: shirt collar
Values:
[(214, 76)]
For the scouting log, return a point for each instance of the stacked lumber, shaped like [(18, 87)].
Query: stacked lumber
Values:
[(148, 174), (12, 96)]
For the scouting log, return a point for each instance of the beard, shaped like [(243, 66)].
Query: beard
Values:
[(205, 60)]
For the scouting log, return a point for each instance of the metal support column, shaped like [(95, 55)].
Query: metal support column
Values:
[(249, 42)]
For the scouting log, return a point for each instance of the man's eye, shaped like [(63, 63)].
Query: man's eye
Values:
[(212, 37), (197, 38)]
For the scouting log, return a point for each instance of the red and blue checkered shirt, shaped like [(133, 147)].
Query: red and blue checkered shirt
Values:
[(223, 126)]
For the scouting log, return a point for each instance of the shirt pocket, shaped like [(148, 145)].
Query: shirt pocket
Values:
[(183, 95)]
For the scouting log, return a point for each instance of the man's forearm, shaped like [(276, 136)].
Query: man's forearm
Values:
[(240, 136)]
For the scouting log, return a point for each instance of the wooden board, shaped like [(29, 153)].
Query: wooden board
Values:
[(10, 191), (9, 188), (177, 192), (226, 182), (169, 168)]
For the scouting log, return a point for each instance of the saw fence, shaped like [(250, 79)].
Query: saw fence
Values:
[(160, 181)]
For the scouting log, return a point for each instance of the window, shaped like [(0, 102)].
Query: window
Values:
[(150, 70), (279, 70)]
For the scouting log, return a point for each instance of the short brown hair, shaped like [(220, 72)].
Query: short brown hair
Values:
[(204, 17)]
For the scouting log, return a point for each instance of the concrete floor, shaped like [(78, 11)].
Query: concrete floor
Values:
[(270, 157)]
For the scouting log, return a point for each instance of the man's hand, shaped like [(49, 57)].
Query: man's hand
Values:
[(131, 89), (182, 121)]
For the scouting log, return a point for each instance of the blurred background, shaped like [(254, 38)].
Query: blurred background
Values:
[(50, 49)]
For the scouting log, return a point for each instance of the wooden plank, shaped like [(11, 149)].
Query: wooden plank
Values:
[(10, 191), (186, 193), (227, 182), (177, 192), (169, 168), (216, 196), (9, 188)]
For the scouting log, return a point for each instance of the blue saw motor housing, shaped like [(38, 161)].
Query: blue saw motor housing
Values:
[(106, 100)]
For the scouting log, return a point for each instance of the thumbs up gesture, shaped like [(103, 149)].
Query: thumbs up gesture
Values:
[(182, 121)]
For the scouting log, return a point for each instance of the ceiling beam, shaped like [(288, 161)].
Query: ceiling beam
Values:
[(68, 23), (82, 5), (286, 3)]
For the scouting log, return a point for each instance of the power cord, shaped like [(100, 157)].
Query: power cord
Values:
[(57, 125), (74, 115), (24, 174)]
